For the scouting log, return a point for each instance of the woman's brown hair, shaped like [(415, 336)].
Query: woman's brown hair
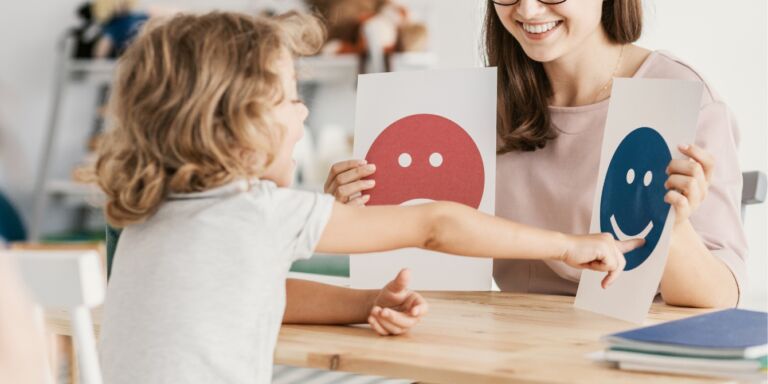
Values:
[(524, 90), (192, 106)]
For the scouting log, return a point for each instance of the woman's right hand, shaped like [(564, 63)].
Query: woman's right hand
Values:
[(345, 181), (600, 252)]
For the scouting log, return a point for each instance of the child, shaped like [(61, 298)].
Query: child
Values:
[(196, 170)]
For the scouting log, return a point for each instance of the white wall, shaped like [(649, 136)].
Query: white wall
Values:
[(727, 42)]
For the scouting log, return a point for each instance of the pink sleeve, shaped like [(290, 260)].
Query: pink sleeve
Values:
[(718, 219)]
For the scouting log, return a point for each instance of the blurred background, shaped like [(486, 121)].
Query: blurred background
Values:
[(55, 72)]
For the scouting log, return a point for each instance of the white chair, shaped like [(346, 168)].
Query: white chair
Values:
[(754, 189), (72, 281)]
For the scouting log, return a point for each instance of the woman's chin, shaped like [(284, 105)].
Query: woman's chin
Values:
[(542, 54)]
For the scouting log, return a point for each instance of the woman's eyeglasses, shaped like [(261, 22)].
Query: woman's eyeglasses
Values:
[(505, 3)]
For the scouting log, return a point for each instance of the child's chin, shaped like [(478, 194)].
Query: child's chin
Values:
[(280, 181), (283, 179), (284, 182)]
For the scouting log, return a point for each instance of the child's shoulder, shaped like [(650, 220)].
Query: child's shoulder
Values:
[(259, 202), (277, 196), (285, 206)]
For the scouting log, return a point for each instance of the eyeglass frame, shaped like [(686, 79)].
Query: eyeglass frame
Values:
[(515, 2)]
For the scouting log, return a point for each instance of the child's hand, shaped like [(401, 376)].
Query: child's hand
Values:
[(396, 309), (600, 253)]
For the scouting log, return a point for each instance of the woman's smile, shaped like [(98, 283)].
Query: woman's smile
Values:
[(539, 31)]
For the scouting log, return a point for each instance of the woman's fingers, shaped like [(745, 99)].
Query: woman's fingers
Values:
[(686, 167), (359, 200), (345, 179), (339, 168), (355, 174), (682, 171), (679, 202), (346, 192), (686, 185), (701, 156)]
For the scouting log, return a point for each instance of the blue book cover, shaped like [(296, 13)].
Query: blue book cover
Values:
[(732, 333)]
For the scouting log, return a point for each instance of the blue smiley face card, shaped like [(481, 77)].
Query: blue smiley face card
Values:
[(647, 120)]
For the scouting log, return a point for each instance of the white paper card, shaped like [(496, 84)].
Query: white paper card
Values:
[(647, 120), (432, 136)]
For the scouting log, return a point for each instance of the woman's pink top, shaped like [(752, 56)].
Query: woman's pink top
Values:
[(554, 187)]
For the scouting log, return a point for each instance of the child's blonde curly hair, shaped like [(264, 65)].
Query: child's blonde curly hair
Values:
[(192, 107)]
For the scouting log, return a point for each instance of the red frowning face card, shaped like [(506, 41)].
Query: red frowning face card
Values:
[(425, 156)]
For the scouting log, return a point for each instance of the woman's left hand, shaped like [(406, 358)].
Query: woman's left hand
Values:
[(688, 180)]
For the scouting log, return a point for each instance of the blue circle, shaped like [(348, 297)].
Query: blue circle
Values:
[(632, 202)]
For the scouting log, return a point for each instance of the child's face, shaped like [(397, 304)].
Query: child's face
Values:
[(290, 113)]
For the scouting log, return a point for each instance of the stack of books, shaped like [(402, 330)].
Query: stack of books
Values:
[(729, 344)]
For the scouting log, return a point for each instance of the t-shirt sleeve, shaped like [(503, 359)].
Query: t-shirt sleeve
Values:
[(718, 218), (303, 215)]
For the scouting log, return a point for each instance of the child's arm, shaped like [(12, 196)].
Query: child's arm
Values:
[(392, 310), (458, 229)]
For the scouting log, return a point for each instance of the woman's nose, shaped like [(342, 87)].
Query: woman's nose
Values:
[(529, 9)]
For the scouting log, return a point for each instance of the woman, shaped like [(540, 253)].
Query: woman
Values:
[(556, 61)]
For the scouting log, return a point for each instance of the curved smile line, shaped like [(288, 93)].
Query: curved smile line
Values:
[(623, 236)]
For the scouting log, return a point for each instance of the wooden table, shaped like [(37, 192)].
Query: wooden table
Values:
[(469, 337)]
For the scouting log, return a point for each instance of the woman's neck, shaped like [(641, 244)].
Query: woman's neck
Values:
[(583, 76)]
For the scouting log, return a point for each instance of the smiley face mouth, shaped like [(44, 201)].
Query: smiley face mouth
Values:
[(623, 236)]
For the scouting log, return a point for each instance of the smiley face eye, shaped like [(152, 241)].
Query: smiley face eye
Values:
[(630, 176), (435, 159), (647, 178), (404, 160)]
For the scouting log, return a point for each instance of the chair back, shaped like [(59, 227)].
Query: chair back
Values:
[(72, 281)]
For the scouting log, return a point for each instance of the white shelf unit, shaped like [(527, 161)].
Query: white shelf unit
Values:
[(66, 71)]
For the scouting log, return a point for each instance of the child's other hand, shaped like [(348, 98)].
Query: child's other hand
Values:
[(345, 181), (397, 309), (600, 253)]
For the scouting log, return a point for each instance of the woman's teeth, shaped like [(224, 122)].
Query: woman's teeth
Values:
[(540, 28)]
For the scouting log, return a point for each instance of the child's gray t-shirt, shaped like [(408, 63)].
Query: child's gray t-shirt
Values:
[(197, 291)]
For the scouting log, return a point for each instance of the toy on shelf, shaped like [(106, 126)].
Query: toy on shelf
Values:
[(86, 34), (121, 21), (371, 29)]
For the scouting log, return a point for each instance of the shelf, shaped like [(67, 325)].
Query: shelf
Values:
[(75, 193), (91, 66)]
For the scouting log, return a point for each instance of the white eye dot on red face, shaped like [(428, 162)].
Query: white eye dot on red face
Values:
[(630, 176), (435, 159), (647, 178), (404, 160)]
